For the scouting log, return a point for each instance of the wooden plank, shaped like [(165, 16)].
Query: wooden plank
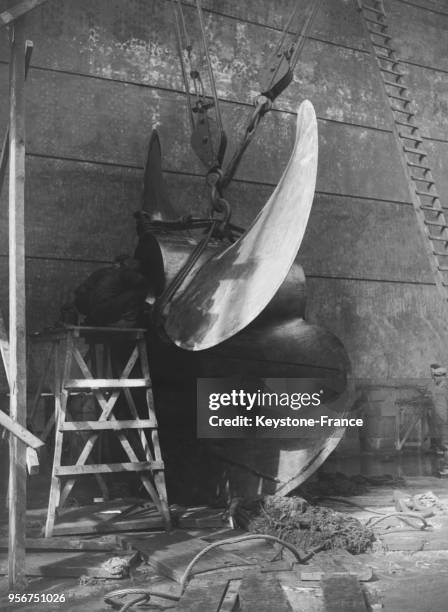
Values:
[(64, 544), (104, 468), (108, 425), (17, 316), (199, 597), (333, 561), (262, 593), (62, 367), (109, 517), (19, 9), (133, 332), (201, 517), (21, 432), (230, 600), (4, 156), (90, 526), (342, 593), (170, 553), (98, 383)]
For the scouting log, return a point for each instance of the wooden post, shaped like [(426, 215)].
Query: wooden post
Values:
[(17, 327)]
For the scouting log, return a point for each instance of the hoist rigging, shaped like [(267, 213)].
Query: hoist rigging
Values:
[(208, 137), (209, 142)]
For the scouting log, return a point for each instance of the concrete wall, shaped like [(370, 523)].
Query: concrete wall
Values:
[(104, 72)]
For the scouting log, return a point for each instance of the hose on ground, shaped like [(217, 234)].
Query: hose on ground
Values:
[(253, 536), (144, 595), (403, 516), (140, 596)]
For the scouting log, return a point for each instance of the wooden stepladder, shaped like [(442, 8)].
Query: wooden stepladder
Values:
[(94, 354)]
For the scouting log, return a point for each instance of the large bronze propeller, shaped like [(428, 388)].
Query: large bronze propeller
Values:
[(233, 287)]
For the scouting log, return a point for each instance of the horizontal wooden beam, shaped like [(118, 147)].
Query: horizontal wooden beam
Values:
[(107, 383), (107, 425), (19, 9), (104, 468), (19, 431), (51, 544)]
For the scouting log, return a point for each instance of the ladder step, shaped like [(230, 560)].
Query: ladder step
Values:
[(415, 151), (434, 196), (104, 468), (414, 165), (422, 180), (402, 110), (375, 22), (107, 425), (443, 268), (436, 224), (411, 126), (438, 211), (386, 37), (392, 84), (381, 46), (410, 137), (394, 72), (398, 97), (438, 238), (386, 58), (106, 383), (373, 10), (440, 254)]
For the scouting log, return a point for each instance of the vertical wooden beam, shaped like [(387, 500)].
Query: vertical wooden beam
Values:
[(17, 327), (4, 155)]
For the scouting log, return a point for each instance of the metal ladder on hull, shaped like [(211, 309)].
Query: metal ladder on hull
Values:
[(431, 216)]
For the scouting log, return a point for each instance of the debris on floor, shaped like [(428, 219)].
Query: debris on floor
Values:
[(306, 527), (138, 561), (170, 553), (75, 564)]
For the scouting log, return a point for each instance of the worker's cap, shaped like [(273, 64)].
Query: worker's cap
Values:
[(439, 371)]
